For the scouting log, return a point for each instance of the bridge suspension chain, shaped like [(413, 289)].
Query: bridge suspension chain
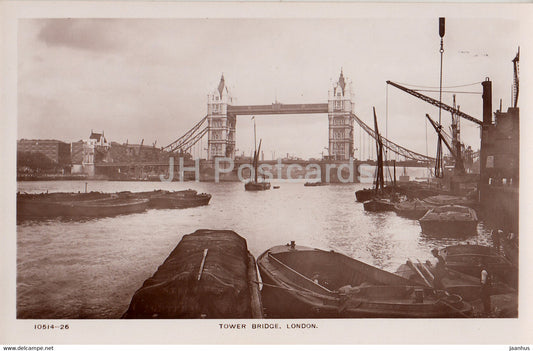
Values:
[(393, 147), (196, 133), (189, 139)]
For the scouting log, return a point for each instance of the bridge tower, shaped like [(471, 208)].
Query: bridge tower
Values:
[(340, 107), (221, 125)]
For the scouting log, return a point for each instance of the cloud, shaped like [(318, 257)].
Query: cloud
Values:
[(91, 35)]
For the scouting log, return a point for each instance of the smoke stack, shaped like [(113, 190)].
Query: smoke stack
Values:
[(487, 102)]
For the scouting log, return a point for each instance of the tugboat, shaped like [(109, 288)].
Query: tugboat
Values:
[(255, 185)]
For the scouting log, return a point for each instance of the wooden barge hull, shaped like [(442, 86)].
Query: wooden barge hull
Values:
[(364, 195), (343, 288), (450, 228), (76, 209), (378, 205), (252, 186), (210, 274), (469, 258), (172, 201), (96, 204)]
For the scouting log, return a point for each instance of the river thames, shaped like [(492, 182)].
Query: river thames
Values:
[(91, 268)]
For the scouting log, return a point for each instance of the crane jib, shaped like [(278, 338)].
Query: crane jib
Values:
[(436, 103)]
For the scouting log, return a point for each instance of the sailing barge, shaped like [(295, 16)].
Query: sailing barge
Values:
[(254, 184), (380, 201), (302, 282)]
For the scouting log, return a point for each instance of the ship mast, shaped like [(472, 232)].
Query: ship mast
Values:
[(439, 172)]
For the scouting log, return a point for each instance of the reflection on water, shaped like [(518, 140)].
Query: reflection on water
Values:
[(90, 268)]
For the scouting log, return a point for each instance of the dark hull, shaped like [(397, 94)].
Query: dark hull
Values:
[(75, 209), (174, 201), (452, 220), (455, 282), (378, 205), (412, 209), (364, 195), (162, 199), (210, 274), (150, 194), (411, 213), (443, 200), (449, 228), (96, 204), (253, 186), (309, 283), (314, 184), (469, 258), (60, 196)]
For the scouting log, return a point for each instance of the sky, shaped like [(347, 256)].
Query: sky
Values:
[(148, 79)]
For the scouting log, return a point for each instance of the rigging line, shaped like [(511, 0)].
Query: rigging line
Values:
[(447, 87), (427, 154), (389, 144), (387, 111), (450, 91)]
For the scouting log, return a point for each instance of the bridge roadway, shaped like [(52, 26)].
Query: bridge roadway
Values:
[(277, 109)]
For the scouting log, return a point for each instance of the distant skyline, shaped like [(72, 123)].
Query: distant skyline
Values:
[(149, 78)]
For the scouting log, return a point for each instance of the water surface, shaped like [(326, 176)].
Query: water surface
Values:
[(91, 268)]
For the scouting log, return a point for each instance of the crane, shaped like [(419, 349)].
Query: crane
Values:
[(456, 154), (436, 103), (516, 67), (456, 113)]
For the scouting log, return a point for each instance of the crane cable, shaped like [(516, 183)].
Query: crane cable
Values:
[(448, 87), (438, 161)]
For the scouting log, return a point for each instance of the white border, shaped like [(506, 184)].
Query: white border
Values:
[(363, 331)]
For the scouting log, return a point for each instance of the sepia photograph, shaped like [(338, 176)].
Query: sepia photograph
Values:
[(266, 173)]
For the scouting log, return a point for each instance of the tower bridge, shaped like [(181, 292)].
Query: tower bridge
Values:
[(221, 119), (219, 124)]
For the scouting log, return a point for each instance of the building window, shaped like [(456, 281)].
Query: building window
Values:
[(490, 162), (338, 135)]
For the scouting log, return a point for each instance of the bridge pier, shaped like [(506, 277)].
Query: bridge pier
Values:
[(340, 172)]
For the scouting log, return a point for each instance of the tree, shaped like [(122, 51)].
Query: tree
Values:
[(36, 161)]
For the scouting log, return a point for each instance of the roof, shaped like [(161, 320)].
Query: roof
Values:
[(342, 82), (221, 85), (41, 141), (97, 136)]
